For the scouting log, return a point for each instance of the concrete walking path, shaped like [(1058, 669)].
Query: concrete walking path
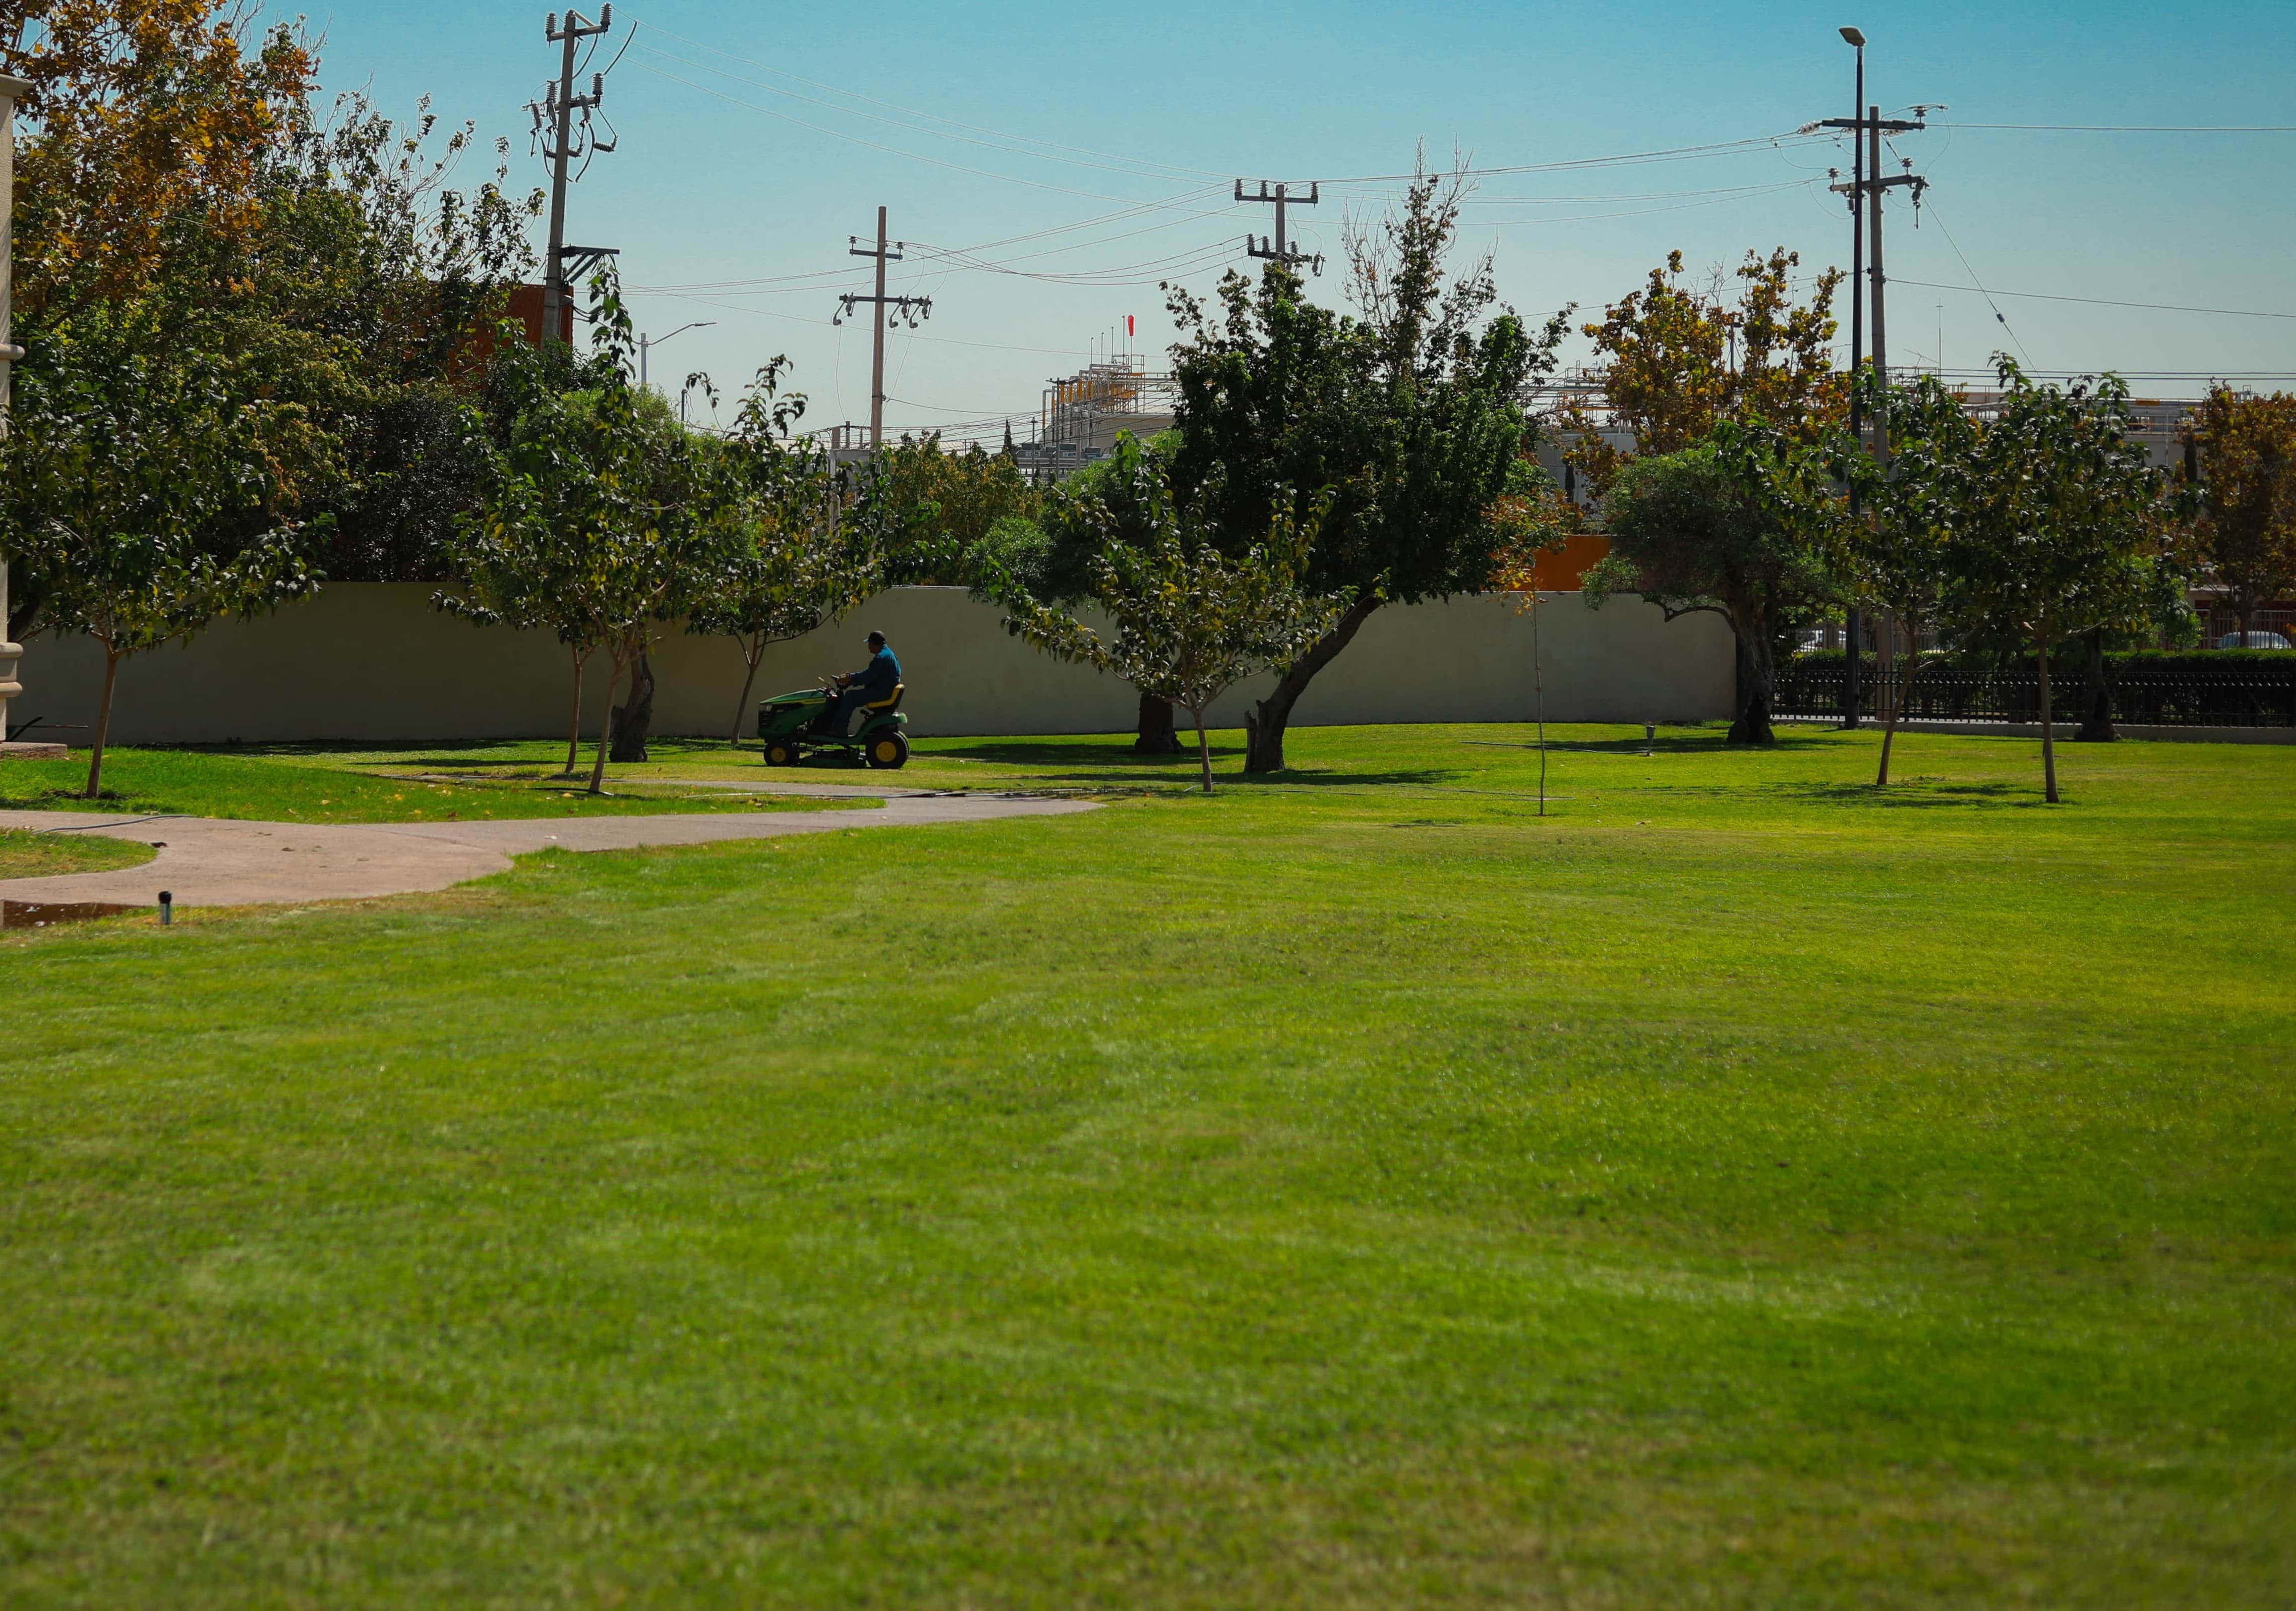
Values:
[(214, 861)]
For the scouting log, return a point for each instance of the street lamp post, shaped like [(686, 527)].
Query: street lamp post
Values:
[(11, 90), (647, 343)]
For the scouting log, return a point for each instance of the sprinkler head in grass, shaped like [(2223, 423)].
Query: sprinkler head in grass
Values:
[(167, 905)]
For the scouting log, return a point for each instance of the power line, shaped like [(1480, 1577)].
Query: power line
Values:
[(1999, 317), (835, 133), (2136, 128), (1672, 154), (2046, 296), (1011, 146), (1642, 212), (928, 117), (798, 280)]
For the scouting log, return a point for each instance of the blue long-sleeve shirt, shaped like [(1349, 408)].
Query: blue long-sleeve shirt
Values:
[(880, 677)]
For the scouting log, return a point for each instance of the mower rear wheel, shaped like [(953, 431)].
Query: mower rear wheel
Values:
[(781, 753), (887, 752)]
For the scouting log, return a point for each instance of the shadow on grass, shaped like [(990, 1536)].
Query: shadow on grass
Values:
[(1691, 743), (1117, 763), (1904, 796)]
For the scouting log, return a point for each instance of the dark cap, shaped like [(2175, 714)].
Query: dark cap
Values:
[(876, 637)]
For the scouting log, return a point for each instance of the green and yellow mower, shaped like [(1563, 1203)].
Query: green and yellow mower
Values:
[(794, 726)]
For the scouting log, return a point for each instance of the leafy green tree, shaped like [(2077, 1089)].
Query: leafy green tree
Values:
[(599, 521), (1405, 422), (172, 155), (1740, 526), (394, 273), (1053, 557), (2069, 531), (1900, 556), (2247, 452), (1190, 621), (145, 482), (797, 563), (923, 505)]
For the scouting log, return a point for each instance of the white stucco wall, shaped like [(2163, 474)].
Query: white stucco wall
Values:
[(369, 661)]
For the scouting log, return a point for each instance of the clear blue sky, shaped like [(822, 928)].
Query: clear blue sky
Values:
[(717, 178)]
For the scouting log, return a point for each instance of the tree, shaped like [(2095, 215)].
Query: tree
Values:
[(923, 504), (599, 521), (798, 563), (145, 482), (141, 147), (1402, 422), (1191, 623), (397, 272), (1740, 526), (1900, 555), (149, 128), (1676, 361), (1053, 556), (174, 164), (2068, 530), (2247, 528)]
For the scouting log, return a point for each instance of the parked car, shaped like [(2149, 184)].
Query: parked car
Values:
[(2253, 640)]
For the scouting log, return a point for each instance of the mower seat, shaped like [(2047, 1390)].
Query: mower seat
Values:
[(892, 702)]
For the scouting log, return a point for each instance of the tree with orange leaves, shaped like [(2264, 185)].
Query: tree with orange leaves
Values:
[(149, 123), (1675, 361), (231, 314)]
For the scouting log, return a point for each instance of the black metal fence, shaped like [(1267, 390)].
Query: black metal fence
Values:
[(2236, 692)]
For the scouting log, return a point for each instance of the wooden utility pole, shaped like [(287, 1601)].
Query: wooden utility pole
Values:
[(557, 108), (910, 309), (1279, 250)]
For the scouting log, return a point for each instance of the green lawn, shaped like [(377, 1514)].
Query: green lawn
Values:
[(1738, 1188), (308, 783), (24, 855)]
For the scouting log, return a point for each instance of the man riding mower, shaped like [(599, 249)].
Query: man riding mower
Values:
[(816, 719)]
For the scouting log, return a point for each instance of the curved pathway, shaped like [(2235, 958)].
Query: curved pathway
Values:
[(214, 861)]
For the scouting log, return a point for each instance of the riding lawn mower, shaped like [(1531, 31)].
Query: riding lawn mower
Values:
[(796, 725)]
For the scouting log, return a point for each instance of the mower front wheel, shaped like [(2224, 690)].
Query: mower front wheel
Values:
[(887, 752), (781, 753)]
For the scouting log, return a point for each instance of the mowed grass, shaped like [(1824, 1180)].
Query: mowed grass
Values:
[(28, 855), (1737, 1189), (307, 783)]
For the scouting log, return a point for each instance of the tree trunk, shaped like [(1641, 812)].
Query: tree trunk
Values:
[(1203, 749), (2097, 692), (111, 659), (1896, 708), (1263, 723), (750, 657), (2048, 735), (574, 728), (632, 720), (1158, 733), (605, 726), (1757, 683)]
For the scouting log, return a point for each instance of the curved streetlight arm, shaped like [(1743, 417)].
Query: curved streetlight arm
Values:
[(646, 343)]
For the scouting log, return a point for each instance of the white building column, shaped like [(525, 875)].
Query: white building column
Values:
[(11, 655)]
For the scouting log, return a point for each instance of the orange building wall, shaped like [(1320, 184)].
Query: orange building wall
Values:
[(1559, 571)]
